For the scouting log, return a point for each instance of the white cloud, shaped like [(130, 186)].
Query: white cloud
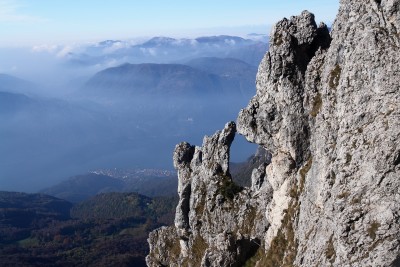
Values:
[(59, 51), (194, 42), (149, 51), (116, 46), (45, 48), (65, 51), (10, 12), (230, 42)]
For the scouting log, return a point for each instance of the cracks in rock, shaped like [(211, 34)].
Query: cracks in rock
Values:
[(330, 252), (316, 106), (335, 76), (396, 158)]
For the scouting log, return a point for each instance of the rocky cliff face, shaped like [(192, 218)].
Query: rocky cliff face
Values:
[(327, 108)]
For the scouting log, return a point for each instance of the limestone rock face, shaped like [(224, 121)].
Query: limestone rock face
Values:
[(327, 109), (275, 117)]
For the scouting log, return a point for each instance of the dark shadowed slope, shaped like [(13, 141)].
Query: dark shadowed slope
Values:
[(20, 212), (109, 229)]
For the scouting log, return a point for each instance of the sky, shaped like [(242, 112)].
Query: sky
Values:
[(35, 22)]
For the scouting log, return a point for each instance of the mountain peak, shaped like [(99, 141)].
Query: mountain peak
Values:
[(227, 39), (159, 41), (108, 42)]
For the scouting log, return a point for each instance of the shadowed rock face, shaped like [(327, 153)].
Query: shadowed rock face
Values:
[(327, 108)]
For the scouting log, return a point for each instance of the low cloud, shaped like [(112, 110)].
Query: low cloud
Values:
[(59, 51)]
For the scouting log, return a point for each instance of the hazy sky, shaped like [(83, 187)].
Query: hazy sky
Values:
[(32, 22)]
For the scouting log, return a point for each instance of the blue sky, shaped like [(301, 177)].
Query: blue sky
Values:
[(33, 22)]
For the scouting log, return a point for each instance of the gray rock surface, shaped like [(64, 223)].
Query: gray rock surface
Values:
[(327, 108)]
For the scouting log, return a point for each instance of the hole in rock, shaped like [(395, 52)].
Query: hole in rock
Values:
[(378, 2), (245, 157), (249, 249)]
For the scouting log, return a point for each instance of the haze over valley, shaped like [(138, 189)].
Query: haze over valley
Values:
[(123, 105), (92, 129)]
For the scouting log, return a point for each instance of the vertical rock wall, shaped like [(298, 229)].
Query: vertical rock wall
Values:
[(327, 108)]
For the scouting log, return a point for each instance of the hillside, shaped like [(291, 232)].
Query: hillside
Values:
[(108, 229), (110, 206), (20, 213)]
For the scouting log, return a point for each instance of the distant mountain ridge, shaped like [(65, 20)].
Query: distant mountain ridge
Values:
[(81, 187), (201, 77), (154, 79), (12, 84), (237, 76), (222, 66), (13, 102), (169, 50)]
